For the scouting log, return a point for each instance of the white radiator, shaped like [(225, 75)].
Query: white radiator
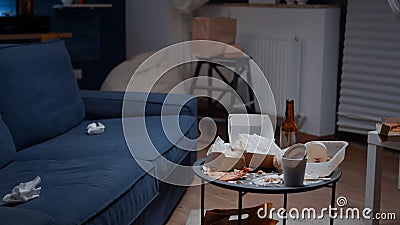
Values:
[(279, 58)]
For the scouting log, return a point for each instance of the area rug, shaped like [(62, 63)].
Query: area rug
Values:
[(194, 219)]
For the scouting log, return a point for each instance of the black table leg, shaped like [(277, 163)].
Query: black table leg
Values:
[(333, 196), (285, 207), (202, 203), (210, 105), (240, 208)]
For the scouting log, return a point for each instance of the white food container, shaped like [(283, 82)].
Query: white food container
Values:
[(260, 125), (336, 151), (249, 124)]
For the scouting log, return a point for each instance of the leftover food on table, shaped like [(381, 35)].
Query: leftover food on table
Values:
[(273, 179), (228, 176), (317, 152), (394, 128), (258, 178), (259, 172), (323, 157), (389, 129), (277, 164)]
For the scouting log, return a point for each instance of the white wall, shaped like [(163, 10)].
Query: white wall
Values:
[(318, 29), (154, 24)]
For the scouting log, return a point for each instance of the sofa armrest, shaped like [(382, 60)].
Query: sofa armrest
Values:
[(102, 104), (17, 216), (107, 104)]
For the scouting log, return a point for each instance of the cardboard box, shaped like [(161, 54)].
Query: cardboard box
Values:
[(260, 125), (263, 161), (220, 29), (217, 161), (209, 50)]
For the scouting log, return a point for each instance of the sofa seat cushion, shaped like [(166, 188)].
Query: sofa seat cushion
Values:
[(79, 164), (77, 144), (16, 216), (7, 148), (76, 190), (39, 96), (131, 205)]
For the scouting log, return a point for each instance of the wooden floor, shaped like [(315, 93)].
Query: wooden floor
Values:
[(351, 186)]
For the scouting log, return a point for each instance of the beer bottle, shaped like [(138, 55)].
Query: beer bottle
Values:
[(288, 134)]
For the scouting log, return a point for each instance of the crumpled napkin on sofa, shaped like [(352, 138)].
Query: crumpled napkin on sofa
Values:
[(95, 128), (23, 192)]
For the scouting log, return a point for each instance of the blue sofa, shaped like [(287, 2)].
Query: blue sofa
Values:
[(86, 179)]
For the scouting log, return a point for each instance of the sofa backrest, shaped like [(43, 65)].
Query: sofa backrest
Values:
[(39, 96)]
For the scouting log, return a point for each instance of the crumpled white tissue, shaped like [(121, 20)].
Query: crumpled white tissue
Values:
[(225, 148), (254, 143), (95, 128), (23, 192)]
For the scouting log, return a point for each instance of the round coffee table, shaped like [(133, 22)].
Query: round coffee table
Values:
[(243, 189)]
